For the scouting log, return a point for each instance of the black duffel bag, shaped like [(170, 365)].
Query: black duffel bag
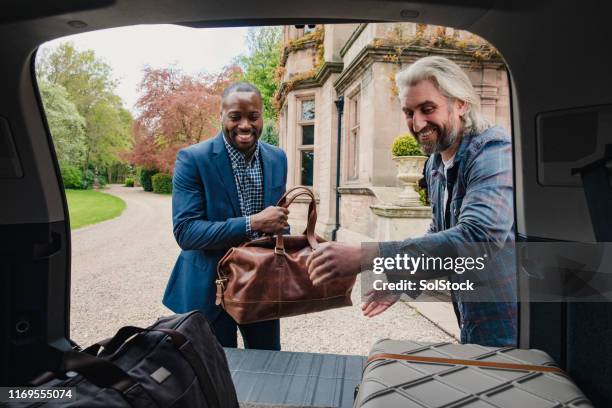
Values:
[(177, 362)]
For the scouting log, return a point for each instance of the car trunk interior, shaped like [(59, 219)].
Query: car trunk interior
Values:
[(558, 61)]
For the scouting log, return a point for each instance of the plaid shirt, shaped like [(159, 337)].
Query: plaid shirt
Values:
[(249, 182), (479, 215)]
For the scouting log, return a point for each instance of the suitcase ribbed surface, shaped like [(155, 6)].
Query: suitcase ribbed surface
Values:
[(394, 383), (288, 379)]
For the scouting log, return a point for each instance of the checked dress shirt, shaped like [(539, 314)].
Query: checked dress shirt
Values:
[(249, 182)]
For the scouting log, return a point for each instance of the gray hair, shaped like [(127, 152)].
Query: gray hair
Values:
[(451, 81)]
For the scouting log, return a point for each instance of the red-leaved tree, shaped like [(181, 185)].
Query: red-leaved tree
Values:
[(176, 110)]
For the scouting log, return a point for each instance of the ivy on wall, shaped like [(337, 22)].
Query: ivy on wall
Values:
[(425, 38), (310, 40), (314, 38), (436, 38)]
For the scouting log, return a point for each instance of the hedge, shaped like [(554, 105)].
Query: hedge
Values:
[(145, 178), (72, 177), (76, 179), (162, 183), (101, 180), (88, 179)]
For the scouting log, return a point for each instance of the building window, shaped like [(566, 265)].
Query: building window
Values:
[(309, 28), (353, 138), (306, 135)]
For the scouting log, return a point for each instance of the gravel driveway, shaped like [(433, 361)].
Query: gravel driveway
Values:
[(120, 268)]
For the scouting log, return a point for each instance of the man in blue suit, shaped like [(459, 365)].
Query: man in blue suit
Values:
[(224, 193)]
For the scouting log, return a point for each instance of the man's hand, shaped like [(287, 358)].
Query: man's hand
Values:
[(378, 301), (271, 220), (333, 260)]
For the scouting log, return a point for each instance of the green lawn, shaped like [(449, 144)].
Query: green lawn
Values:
[(89, 207)]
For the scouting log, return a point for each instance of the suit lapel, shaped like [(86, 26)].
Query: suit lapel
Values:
[(266, 162), (225, 172)]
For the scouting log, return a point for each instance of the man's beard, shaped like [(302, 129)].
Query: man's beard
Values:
[(444, 140)]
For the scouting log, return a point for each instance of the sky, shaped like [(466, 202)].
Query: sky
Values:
[(129, 49)]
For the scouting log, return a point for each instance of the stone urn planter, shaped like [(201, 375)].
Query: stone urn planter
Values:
[(409, 172)]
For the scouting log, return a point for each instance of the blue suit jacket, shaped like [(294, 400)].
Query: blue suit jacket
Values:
[(207, 219)]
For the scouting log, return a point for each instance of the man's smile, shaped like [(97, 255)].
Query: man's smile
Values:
[(427, 135), (244, 137)]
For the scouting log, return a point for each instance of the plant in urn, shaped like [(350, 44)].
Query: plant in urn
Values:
[(409, 159)]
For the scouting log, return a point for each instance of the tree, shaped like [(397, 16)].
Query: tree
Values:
[(260, 64), (87, 79), (269, 134), (89, 85), (176, 110), (66, 124), (109, 134)]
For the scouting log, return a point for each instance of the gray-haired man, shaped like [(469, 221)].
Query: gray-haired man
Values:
[(469, 178)]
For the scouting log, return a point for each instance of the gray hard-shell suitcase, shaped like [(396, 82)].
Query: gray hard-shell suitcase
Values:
[(463, 375)]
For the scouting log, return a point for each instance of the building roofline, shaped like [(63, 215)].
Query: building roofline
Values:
[(352, 39), (381, 53), (316, 80)]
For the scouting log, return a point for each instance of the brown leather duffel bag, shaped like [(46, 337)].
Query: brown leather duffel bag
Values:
[(267, 278)]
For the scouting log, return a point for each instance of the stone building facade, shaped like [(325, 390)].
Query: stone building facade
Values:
[(358, 62)]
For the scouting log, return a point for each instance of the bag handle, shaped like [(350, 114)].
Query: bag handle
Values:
[(100, 372), (97, 371), (285, 201), (279, 248), (112, 344)]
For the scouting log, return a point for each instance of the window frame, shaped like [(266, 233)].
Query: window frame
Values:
[(300, 147), (353, 133)]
